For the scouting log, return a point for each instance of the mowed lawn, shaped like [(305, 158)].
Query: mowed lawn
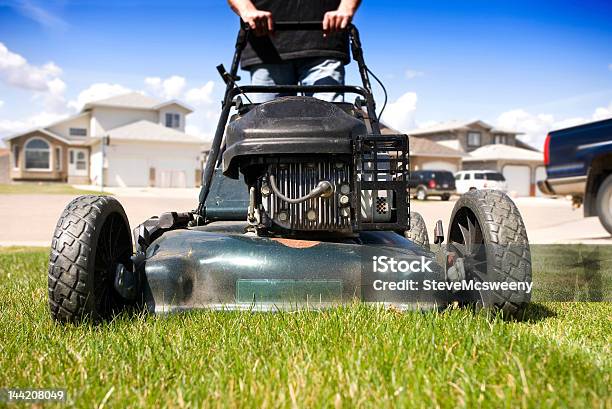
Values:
[(559, 356)]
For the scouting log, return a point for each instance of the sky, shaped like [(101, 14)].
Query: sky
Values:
[(531, 66)]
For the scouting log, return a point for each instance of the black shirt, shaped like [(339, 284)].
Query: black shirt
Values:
[(288, 45)]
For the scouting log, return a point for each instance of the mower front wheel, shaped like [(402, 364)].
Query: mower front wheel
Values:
[(91, 241), (488, 233)]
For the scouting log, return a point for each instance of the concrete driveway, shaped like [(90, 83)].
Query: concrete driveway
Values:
[(31, 219), (547, 220)]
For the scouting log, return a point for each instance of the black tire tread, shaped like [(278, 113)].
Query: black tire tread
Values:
[(71, 248), (504, 227)]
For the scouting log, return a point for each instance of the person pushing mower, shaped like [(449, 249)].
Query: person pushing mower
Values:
[(296, 57)]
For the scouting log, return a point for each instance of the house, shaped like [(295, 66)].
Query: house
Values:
[(4, 166), (466, 136), (490, 148), (129, 140), (428, 155), (521, 167)]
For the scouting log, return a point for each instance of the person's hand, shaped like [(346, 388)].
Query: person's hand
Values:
[(260, 21), (336, 20)]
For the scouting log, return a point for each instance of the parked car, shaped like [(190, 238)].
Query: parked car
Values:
[(424, 183), (579, 164), (480, 179)]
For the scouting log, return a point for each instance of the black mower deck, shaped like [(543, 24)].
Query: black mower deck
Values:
[(218, 267)]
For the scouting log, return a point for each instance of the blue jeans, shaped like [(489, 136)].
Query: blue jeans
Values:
[(302, 71)]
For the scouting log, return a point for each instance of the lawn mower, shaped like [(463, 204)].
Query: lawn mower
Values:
[(303, 204)]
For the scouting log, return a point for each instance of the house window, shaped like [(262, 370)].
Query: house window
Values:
[(16, 156), (173, 120), (473, 139), (58, 158), (501, 139), (78, 132), (37, 155)]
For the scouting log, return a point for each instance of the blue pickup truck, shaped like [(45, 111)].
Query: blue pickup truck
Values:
[(579, 163)]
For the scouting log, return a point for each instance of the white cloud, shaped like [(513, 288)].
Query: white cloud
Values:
[(16, 71), (170, 88), (411, 74), (1, 103), (603, 113), (49, 89), (10, 127), (202, 95), (536, 126), (400, 114), (97, 92)]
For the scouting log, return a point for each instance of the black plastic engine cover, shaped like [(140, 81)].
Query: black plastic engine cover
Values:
[(290, 125)]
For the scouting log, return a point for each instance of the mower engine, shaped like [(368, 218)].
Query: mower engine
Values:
[(302, 195), (311, 167)]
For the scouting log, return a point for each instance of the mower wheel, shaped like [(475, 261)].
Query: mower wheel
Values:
[(487, 231), (418, 231), (91, 240)]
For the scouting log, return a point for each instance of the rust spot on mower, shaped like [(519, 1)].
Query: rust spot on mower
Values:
[(297, 244)]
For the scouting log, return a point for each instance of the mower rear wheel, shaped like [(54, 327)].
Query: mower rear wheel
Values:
[(488, 232), (418, 231), (91, 240)]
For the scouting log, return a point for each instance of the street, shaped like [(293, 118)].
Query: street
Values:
[(30, 219)]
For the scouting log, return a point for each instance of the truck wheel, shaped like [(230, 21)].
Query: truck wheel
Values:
[(445, 197), (488, 232), (91, 239), (421, 193), (604, 203), (418, 231)]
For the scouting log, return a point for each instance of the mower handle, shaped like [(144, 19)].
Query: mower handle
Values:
[(294, 26)]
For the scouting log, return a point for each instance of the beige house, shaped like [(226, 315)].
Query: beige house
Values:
[(490, 148), (522, 168), (466, 136), (127, 140), (4, 166), (428, 155)]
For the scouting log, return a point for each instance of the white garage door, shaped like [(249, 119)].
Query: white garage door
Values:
[(127, 171), (171, 178), (518, 179), (540, 174), (440, 165), (132, 165)]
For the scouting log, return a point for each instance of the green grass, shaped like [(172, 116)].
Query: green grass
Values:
[(45, 188), (346, 357)]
